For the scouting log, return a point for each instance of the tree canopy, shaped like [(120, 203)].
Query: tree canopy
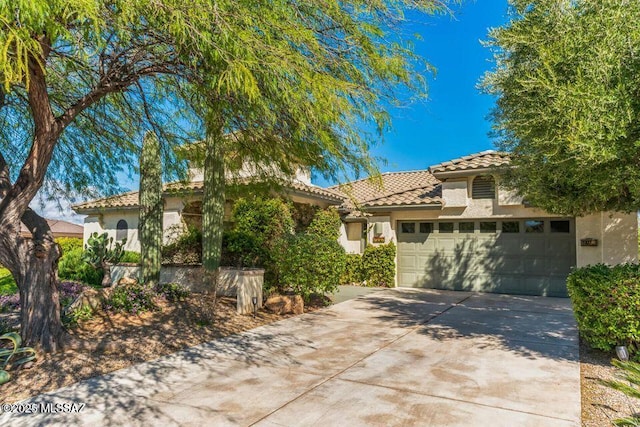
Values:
[(567, 81)]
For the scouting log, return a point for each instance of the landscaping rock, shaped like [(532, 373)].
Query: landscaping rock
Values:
[(127, 281), (285, 304)]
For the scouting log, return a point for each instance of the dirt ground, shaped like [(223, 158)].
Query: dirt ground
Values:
[(600, 404), (109, 342)]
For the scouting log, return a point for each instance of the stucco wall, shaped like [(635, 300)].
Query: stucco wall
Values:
[(350, 235), (616, 234)]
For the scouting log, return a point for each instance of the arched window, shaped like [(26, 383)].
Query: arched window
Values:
[(484, 187), (121, 230)]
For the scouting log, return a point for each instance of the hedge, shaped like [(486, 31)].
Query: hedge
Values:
[(606, 304), (379, 265)]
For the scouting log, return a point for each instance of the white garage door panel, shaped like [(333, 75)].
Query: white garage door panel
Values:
[(517, 262)]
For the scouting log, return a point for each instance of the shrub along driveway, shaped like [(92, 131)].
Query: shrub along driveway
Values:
[(397, 357)]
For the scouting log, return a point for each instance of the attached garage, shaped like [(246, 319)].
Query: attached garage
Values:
[(529, 256)]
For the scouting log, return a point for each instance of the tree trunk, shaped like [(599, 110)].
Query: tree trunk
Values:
[(106, 275), (34, 266)]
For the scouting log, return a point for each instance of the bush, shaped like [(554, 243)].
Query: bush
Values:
[(353, 270), (130, 257), (185, 249), (173, 291), (309, 264), (378, 265), (133, 299), (241, 249), (73, 267), (265, 219), (326, 223), (606, 303), (68, 244)]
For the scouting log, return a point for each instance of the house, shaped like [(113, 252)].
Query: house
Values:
[(58, 228), (118, 215), (455, 227)]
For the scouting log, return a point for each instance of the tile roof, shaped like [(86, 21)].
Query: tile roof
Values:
[(130, 199), (410, 188), (395, 188), (482, 160)]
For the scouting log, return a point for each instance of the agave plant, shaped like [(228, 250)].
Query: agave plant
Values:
[(13, 356), (629, 384)]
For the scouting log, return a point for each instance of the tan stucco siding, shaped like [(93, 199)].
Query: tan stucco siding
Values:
[(616, 234)]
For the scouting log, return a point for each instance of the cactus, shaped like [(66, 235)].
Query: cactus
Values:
[(151, 210), (100, 252)]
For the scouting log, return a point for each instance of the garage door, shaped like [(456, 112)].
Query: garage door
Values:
[(528, 256)]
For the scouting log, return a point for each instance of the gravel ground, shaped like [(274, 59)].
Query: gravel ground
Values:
[(600, 404)]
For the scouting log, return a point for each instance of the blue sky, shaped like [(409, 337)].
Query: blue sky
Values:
[(453, 121)]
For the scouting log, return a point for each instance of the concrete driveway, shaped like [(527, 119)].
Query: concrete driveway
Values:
[(396, 357)]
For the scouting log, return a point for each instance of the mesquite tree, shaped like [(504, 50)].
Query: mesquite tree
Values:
[(151, 210), (81, 78)]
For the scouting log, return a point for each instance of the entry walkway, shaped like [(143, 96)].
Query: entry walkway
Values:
[(394, 357)]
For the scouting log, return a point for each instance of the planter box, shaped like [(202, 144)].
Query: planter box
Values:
[(244, 284)]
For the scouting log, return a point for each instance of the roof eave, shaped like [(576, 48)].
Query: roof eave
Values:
[(426, 206), (101, 210), (465, 172)]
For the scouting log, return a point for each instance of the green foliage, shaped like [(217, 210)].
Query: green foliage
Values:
[(353, 270), (7, 284), (80, 314), (630, 385), (73, 266), (266, 219), (309, 264), (130, 257), (101, 250), (67, 244), (606, 303), (241, 249), (151, 209), (326, 223), (132, 299), (185, 249), (567, 80), (378, 265), (173, 291)]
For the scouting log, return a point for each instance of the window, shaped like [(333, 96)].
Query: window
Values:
[(426, 227), (466, 227), (121, 230), (488, 227), (510, 227), (559, 226), (446, 227), (484, 187), (408, 227), (533, 226)]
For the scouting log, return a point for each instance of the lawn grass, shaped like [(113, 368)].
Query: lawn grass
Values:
[(7, 284)]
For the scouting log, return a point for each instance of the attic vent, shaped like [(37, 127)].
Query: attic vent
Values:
[(484, 187)]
